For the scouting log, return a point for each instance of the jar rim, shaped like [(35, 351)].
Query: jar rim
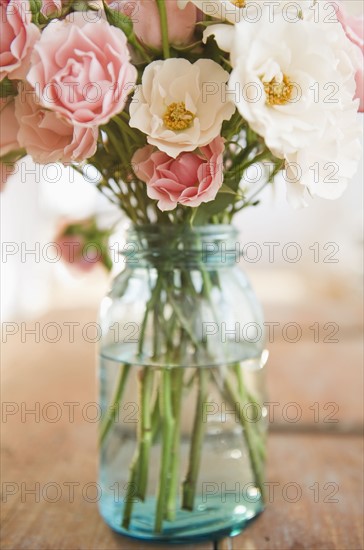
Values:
[(183, 229), (173, 245)]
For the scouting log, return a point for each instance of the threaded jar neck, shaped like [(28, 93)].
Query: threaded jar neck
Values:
[(168, 246)]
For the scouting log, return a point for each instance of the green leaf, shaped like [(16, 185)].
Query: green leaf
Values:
[(208, 209), (35, 7), (227, 190), (7, 88), (119, 20), (13, 157), (211, 50), (80, 5)]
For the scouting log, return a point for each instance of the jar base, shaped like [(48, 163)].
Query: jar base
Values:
[(223, 516)]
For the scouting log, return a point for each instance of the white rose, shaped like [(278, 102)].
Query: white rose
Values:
[(292, 82), (286, 91), (325, 167), (181, 105)]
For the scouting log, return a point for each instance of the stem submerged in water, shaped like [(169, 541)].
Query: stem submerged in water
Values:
[(145, 431), (177, 384), (257, 463), (189, 485), (173, 336), (149, 421), (168, 423), (130, 494), (113, 410)]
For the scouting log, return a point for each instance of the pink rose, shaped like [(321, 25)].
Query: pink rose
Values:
[(354, 29), (146, 21), (9, 127), (48, 137), (81, 69), (18, 36), (190, 179), (51, 7)]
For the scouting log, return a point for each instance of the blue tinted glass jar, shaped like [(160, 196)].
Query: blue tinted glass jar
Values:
[(182, 435)]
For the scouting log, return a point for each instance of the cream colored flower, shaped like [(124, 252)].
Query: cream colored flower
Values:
[(292, 82), (285, 92), (325, 167), (181, 105)]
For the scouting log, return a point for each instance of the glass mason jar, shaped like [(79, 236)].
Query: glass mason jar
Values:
[(182, 434)]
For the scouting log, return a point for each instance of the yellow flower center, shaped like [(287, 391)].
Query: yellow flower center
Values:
[(278, 93), (177, 117), (238, 3)]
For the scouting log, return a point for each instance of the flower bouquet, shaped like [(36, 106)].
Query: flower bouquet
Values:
[(170, 103)]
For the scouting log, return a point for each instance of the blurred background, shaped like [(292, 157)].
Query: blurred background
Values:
[(289, 254)]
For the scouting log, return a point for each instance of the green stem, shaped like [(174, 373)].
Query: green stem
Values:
[(136, 467), (167, 444), (136, 44), (177, 375), (125, 128), (156, 333), (189, 485), (164, 27), (256, 461), (155, 419), (185, 324), (130, 497), (114, 409), (247, 398), (138, 477), (155, 296), (172, 350), (145, 431), (142, 332)]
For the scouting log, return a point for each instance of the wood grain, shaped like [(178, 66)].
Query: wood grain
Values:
[(56, 454), (328, 471)]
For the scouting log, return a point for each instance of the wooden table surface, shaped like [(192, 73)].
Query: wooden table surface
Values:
[(315, 464)]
